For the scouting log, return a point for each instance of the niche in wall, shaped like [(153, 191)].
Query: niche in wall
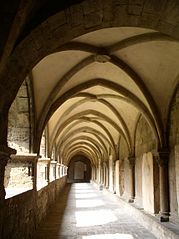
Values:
[(79, 169)]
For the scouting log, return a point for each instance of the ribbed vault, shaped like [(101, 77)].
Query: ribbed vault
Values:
[(92, 91)]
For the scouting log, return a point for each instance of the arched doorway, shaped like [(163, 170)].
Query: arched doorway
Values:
[(79, 169)]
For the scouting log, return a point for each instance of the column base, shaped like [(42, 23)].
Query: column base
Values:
[(131, 200), (164, 217)]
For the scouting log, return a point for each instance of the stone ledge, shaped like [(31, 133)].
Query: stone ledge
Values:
[(23, 158), (44, 160)]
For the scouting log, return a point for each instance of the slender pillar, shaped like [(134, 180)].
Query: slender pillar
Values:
[(35, 174), (117, 177), (107, 175), (48, 172), (163, 157), (102, 174), (4, 157), (99, 173), (132, 179), (111, 174)]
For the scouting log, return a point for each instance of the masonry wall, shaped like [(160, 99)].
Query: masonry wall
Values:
[(23, 213), (19, 121), (174, 155), (17, 175), (124, 189), (145, 142)]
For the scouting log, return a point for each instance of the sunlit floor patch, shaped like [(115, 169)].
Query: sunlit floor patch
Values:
[(89, 195), (81, 186), (109, 236), (94, 218), (89, 203), (83, 191)]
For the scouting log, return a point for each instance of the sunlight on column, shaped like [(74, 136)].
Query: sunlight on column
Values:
[(110, 236), (94, 218)]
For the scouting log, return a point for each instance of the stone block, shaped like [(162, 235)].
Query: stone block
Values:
[(150, 187), (91, 6), (120, 15), (22, 104), (153, 6), (93, 19), (107, 13), (22, 90), (121, 2), (76, 15), (56, 21), (170, 12), (135, 7)]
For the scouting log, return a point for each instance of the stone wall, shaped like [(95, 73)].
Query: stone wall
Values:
[(126, 193), (23, 213), (145, 142), (123, 149), (19, 121), (123, 169), (150, 185), (17, 175), (174, 152), (145, 139)]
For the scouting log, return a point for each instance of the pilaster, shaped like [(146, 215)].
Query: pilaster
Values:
[(132, 178), (162, 158), (5, 153)]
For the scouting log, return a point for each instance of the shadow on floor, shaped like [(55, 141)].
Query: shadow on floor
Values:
[(51, 224)]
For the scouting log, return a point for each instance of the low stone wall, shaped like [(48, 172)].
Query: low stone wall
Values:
[(24, 212)]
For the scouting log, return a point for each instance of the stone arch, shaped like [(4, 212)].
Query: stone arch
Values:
[(97, 141), (133, 99), (77, 21), (86, 119)]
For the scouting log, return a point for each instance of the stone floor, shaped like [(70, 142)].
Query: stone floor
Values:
[(84, 212)]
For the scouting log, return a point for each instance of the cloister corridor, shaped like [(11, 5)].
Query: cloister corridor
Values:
[(89, 119), (85, 212)]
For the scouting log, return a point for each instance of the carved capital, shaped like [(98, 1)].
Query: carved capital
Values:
[(162, 157), (131, 161)]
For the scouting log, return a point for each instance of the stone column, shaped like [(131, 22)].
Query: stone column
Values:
[(162, 158), (102, 174), (58, 170), (93, 173), (132, 179), (111, 174), (53, 170), (99, 173), (34, 165), (48, 172), (107, 175), (117, 177), (5, 153)]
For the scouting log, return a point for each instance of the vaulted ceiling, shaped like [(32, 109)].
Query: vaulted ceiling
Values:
[(93, 90), (90, 91)]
